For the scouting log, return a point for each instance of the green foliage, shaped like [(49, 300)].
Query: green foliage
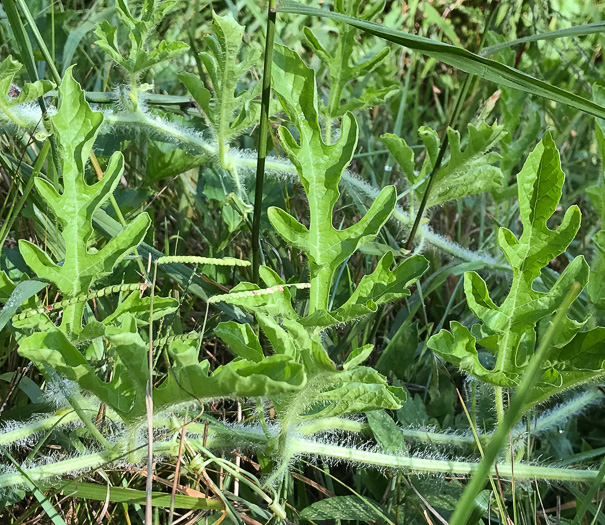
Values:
[(344, 507), (335, 280), (521, 133), (9, 67), (141, 56), (190, 380), (466, 172), (75, 128), (329, 392), (338, 62), (168, 162), (457, 57), (508, 331), (596, 284), (228, 110), (320, 167)]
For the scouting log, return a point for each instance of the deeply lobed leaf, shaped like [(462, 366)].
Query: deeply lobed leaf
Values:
[(466, 172), (139, 57), (75, 128), (509, 330), (339, 61), (320, 167), (228, 110)]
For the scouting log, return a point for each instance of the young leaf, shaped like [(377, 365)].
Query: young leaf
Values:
[(75, 128), (241, 340), (228, 110), (521, 134), (342, 72), (320, 167), (509, 330), (281, 341), (353, 391), (10, 97), (357, 356), (272, 376), (382, 286), (141, 55), (466, 172)]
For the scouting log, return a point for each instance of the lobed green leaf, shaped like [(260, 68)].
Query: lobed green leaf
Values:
[(508, 330)]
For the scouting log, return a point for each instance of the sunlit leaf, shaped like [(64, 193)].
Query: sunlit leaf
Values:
[(508, 330)]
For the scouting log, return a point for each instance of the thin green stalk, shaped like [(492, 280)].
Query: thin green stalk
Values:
[(433, 175), (564, 411), (40, 41), (262, 141), (514, 413), (499, 399), (94, 431), (225, 438), (50, 511), (52, 31), (151, 99), (248, 479), (377, 320), (332, 423), (149, 405), (499, 501), (14, 211), (61, 468), (445, 139)]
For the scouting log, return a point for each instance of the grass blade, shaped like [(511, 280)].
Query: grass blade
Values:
[(96, 492), (516, 409), (262, 141), (568, 32), (41, 44), (23, 43), (51, 512), (458, 58), (22, 292), (589, 495)]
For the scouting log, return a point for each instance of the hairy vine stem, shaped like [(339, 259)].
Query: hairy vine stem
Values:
[(194, 141), (300, 447), (544, 422)]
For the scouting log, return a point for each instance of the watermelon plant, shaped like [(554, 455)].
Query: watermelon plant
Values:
[(172, 352)]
